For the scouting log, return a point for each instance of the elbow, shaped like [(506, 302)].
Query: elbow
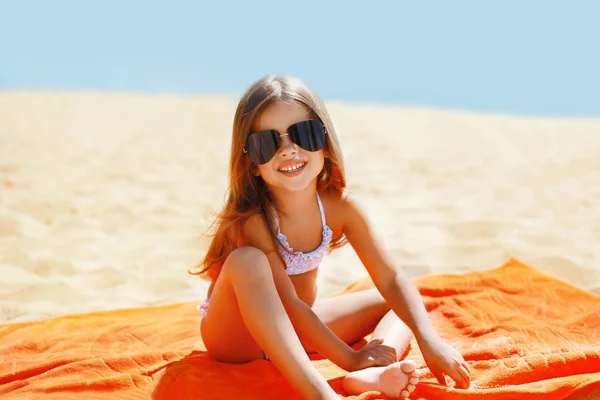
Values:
[(389, 283)]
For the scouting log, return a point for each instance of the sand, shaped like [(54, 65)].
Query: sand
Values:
[(104, 197)]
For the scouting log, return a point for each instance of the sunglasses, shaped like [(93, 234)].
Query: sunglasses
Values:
[(308, 135)]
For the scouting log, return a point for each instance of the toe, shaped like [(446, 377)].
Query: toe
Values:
[(411, 388), (405, 394), (416, 373), (414, 380), (408, 366)]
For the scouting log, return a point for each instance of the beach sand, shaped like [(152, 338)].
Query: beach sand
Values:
[(104, 197)]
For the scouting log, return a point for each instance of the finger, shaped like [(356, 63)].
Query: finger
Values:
[(466, 366), (458, 378), (385, 349), (440, 378), (391, 358), (466, 376), (386, 357), (385, 362), (374, 342), (382, 361)]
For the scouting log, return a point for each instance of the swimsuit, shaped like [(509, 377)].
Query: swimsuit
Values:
[(298, 262)]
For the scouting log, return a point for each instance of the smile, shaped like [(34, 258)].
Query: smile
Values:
[(293, 168)]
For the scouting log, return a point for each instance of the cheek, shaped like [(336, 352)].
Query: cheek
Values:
[(264, 169), (318, 159)]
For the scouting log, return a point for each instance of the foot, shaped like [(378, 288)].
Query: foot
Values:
[(398, 380)]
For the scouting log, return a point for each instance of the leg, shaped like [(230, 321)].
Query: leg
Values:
[(354, 316), (395, 380), (246, 315)]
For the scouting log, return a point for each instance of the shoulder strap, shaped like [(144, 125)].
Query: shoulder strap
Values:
[(275, 219), (321, 210)]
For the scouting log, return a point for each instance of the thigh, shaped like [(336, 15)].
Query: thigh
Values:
[(352, 316), (224, 332)]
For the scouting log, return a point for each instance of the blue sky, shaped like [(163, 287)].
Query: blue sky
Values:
[(518, 57)]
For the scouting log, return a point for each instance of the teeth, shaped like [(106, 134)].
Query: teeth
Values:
[(292, 169)]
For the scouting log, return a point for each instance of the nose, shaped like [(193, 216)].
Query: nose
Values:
[(287, 147)]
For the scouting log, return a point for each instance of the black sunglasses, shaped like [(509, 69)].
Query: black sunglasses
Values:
[(262, 146)]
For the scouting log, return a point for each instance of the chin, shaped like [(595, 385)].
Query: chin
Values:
[(292, 186)]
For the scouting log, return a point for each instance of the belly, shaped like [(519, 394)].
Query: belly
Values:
[(306, 286)]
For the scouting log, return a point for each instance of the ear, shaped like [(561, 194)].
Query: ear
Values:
[(254, 170)]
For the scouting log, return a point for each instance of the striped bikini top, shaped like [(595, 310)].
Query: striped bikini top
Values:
[(298, 262)]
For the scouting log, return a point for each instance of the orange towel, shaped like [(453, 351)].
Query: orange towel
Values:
[(525, 335)]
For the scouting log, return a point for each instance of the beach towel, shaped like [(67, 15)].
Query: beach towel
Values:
[(525, 335)]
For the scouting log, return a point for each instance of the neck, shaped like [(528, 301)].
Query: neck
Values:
[(296, 202)]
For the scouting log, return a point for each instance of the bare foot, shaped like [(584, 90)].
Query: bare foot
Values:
[(398, 379)]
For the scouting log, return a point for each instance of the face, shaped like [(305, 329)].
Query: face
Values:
[(291, 168)]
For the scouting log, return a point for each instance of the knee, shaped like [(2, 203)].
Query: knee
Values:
[(247, 254), (246, 262)]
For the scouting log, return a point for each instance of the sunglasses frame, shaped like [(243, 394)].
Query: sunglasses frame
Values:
[(287, 134)]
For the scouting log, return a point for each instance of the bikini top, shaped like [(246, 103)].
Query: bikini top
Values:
[(298, 262)]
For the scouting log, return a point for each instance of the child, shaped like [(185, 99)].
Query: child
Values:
[(287, 206)]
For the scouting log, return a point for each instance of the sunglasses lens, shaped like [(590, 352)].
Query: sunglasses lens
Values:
[(262, 146), (309, 135)]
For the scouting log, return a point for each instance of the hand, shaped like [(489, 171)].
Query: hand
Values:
[(373, 354), (443, 359)]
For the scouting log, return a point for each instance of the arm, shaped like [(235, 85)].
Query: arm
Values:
[(403, 298), (309, 328), (391, 281)]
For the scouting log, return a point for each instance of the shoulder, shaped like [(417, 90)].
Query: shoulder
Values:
[(256, 233), (344, 204), (343, 210)]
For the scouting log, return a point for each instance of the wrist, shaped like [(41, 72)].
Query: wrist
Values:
[(348, 360), (426, 337)]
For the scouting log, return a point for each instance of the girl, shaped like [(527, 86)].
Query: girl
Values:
[(287, 207)]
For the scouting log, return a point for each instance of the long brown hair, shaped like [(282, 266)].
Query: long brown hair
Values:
[(247, 193)]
